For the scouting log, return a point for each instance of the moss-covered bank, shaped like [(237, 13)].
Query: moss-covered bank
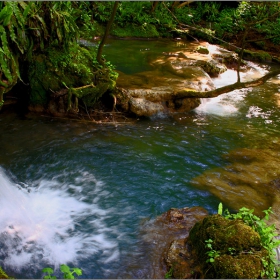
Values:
[(63, 78)]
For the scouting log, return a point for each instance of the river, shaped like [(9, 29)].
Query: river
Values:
[(79, 193)]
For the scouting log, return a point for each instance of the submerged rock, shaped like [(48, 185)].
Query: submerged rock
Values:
[(251, 180)]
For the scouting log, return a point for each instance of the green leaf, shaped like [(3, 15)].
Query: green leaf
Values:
[(65, 268), (4, 12), (220, 209), (47, 270), (8, 15), (78, 271)]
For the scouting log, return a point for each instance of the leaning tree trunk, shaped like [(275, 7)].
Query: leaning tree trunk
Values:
[(225, 89), (109, 25)]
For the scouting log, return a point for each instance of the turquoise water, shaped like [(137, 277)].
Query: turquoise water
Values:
[(79, 193)]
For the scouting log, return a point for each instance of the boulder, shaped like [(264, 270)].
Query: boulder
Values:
[(202, 50), (238, 249), (152, 92), (165, 241)]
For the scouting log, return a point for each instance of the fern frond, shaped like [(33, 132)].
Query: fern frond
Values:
[(4, 13), (43, 24), (4, 68), (19, 16)]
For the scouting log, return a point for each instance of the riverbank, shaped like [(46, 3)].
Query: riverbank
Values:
[(119, 107)]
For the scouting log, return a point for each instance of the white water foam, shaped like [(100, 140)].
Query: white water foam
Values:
[(255, 112), (229, 103), (44, 225), (222, 105)]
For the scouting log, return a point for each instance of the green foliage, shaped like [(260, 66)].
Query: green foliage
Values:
[(27, 27), (76, 70), (267, 236), (220, 209), (169, 274), (49, 271), (136, 18), (208, 11), (102, 11), (68, 273), (211, 253), (3, 274)]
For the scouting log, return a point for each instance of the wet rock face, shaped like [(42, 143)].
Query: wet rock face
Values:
[(151, 92), (238, 248), (165, 238)]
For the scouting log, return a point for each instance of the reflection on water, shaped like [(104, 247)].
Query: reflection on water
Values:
[(80, 193)]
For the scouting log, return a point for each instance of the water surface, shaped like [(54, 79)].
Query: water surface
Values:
[(79, 193)]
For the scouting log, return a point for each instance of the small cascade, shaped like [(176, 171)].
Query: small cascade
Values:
[(221, 105)]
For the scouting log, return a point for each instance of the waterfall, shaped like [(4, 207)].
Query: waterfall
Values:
[(222, 105), (46, 226)]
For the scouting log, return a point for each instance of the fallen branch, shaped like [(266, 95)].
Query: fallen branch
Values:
[(225, 89)]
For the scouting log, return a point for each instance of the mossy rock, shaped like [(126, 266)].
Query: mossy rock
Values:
[(213, 68), (259, 56), (202, 50), (238, 267), (238, 246)]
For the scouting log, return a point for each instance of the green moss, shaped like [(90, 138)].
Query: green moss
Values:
[(202, 50), (238, 267), (58, 69), (259, 56), (132, 30), (239, 248)]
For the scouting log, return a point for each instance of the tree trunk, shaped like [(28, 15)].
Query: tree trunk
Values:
[(109, 25), (225, 89)]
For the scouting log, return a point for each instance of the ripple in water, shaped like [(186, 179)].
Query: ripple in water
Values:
[(49, 226)]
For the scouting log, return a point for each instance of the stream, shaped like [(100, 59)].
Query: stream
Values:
[(79, 193)]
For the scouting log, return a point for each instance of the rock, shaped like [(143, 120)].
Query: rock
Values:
[(250, 179), (165, 240), (179, 260), (202, 50), (212, 67), (152, 92), (232, 240), (144, 107)]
